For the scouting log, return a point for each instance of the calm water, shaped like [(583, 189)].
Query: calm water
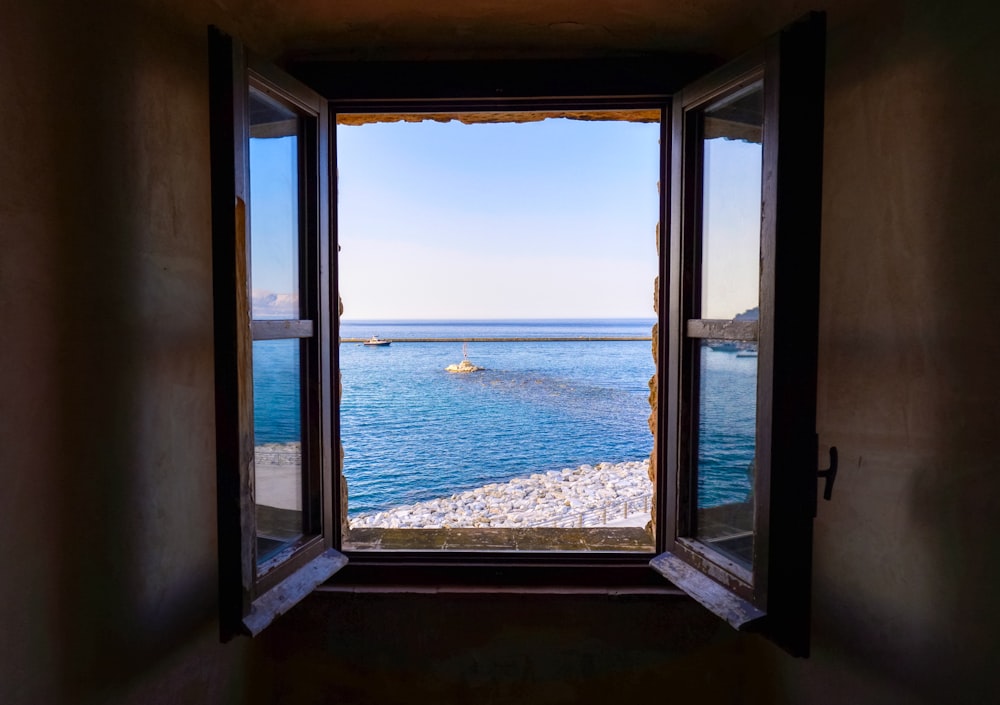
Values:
[(412, 431)]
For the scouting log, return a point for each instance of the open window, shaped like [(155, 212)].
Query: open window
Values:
[(741, 336), (734, 345), (531, 233), (270, 224)]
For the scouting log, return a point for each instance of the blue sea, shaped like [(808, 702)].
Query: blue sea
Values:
[(412, 431)]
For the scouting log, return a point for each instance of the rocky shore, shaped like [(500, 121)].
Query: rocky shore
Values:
[(590, 495)]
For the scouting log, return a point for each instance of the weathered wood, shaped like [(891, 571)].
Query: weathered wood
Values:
[(722, 329), (285, 595), (792, 68), (740, 613), (313, 165), (252, 593), (545, 539), (244, 394)]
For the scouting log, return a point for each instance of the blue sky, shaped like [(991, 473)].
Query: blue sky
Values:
[(551, 219), (731, 227), (274, 215)]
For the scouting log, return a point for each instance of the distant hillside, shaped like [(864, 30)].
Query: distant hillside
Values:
[(751, 314)]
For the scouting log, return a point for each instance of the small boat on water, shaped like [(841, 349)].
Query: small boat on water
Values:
[(376, 341)]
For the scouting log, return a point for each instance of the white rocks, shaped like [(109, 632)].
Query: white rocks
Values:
[(584, 496), (463, 367)]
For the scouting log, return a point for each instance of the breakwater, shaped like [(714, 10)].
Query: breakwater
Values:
[(588, 495), (545, 339)]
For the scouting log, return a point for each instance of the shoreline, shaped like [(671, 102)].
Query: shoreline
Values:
[(605, 494)]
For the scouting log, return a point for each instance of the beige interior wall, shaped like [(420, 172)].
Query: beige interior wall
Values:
[(905, 567), (108, 587), (106, 440)]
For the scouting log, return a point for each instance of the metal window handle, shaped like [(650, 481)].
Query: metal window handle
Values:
[(830, 474)]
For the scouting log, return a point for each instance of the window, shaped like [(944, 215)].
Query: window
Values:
[(744, 271), (534, 235), (270, 233), (737, 306)]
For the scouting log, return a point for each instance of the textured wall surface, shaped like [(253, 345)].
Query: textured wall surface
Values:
[(347, 648), (108, 499), (905, 569), (107, 435)]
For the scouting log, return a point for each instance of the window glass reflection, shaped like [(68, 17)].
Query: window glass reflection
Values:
[(731, 205), (278, 474), (274, 208), (725, 371), (726, 449)]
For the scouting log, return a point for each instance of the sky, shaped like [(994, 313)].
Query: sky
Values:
[(273, 215), (551, 219), (731, 227)]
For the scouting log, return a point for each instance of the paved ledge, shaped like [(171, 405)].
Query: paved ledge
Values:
[(605, 539)]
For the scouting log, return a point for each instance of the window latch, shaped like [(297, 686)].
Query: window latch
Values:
[(830, 474)]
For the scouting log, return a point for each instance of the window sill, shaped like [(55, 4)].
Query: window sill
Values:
[(484, 573), (740, 613), (541, 540)]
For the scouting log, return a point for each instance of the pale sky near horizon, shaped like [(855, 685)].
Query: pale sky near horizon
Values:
[(552, 219)]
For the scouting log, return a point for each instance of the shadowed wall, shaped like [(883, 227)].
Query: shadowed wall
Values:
[(107, 433)]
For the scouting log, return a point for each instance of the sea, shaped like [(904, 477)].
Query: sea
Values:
[(412, 431)]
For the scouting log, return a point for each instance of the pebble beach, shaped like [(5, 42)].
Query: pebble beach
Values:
[(606, 494)]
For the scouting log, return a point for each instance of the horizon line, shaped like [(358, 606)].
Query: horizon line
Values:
[(504, 318)]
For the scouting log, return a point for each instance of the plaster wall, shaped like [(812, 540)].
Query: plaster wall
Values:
[(107, 452), (106, 440), (108, 589), (905, 564), (905, 568)]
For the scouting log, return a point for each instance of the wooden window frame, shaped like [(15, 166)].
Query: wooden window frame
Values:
[(252, 593), (774, 595), (775, 600), (502, 87)]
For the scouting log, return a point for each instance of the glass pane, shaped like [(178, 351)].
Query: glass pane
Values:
[(726, 371), (726, 451), (278, 480), (731, 205), (274, 208)]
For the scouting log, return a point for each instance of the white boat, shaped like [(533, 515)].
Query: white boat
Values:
[(377, 341)]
